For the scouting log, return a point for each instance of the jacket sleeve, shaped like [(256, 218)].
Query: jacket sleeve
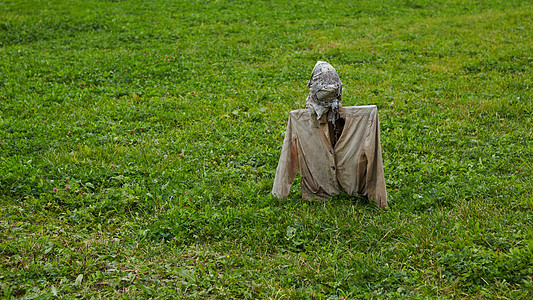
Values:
[(375, 177), (287, 165)]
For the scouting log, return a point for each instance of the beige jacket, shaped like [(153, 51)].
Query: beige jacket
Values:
[(354, 165)]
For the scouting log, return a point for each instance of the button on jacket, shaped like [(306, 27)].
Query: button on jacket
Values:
[(354, 165)]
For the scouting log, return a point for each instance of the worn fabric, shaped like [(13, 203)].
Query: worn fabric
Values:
[(353, 165), (325, 91)]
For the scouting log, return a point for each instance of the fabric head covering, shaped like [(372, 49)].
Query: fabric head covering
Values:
[(325, 91)]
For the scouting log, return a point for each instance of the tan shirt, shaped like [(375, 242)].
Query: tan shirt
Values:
[(354, 165)]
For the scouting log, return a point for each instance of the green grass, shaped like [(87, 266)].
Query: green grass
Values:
[(139, 140)]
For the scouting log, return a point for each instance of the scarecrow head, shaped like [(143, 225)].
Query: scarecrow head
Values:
[(325, 91)]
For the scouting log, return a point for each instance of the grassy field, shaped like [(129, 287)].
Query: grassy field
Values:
[(139, 141)]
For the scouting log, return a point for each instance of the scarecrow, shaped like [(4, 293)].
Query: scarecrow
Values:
[(335, 148)]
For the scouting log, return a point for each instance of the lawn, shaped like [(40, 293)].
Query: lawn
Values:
[(139, 142)]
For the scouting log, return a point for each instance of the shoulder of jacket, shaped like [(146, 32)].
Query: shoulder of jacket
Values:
[(300, 112), (359, 110)]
